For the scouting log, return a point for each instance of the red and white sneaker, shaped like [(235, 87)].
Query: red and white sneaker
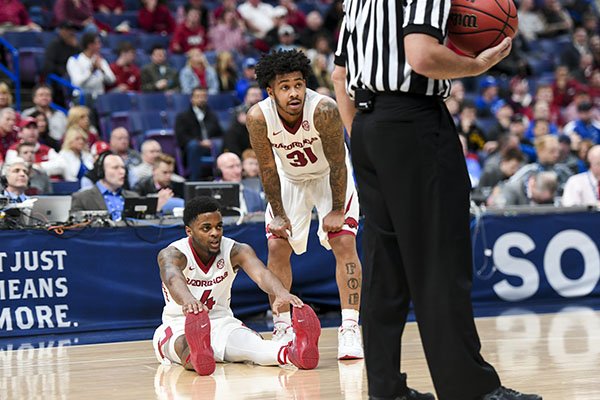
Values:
[(350, 345), (197, 334), (303, 351)]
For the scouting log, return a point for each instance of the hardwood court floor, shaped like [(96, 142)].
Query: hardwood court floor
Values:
[(556, 355)]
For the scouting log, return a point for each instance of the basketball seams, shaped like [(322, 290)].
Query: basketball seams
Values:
[(481, 12)]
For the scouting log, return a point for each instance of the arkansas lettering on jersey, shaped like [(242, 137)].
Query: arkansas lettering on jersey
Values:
[(298, 151), (210, 283)]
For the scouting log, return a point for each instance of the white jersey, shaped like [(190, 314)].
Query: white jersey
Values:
[(211, 283), (298, 152)]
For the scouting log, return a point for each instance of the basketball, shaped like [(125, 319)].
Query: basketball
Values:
[(476, 25)]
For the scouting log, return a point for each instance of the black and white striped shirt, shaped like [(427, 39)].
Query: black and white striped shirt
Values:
[(371, 44)]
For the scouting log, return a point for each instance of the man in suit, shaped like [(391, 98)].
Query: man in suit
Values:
[(195, 130), (230, 167), (159, 184), (158, 76), (539, 188), (108, 193)]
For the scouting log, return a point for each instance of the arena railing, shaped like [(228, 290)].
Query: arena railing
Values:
[(76, 91)]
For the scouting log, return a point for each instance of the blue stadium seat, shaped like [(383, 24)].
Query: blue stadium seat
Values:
[(129, 16), (211, 57), (110, 103), (24, 39), (64, 187), (223, 101), (30, 63), (147, 41), (225, 117), (168, 144), (486, 123), (143, 121), (177, 61), (152, 102), (132, 5), (180, 102), (113, 40), (47, 37)]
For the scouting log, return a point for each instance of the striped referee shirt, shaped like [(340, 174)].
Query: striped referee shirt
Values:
[(371, 44)]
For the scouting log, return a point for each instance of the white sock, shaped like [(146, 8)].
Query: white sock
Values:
[(283, 318), (349, 317)]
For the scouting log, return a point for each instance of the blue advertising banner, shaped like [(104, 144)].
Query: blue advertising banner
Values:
[(522, 258)]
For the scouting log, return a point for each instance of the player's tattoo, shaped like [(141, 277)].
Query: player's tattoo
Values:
[(353, 283), (329, 124), (350, 268), (353, 299), (170, 257), (257, 130)]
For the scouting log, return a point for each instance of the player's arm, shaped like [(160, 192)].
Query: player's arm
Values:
[(244, 256), (329, 124), (172, 262), (428, 57)]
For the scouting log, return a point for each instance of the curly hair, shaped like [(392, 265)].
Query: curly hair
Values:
[(199, 205), (280, 63)]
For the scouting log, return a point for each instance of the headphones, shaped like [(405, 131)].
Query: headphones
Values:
[(3, 179), (99, 164), (4, 173), (218, 174)]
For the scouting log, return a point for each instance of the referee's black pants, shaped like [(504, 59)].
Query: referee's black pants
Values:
[(414, 190)]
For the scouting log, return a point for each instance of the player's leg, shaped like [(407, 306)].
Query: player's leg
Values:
[(279, 264)]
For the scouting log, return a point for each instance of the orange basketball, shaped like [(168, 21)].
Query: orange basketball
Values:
[(476, 25)]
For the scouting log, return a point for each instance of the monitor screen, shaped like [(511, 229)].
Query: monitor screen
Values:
[(140, 207), (226, 193)]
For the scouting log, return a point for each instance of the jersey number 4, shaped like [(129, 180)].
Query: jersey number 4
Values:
[(208, 301), (300, 158)]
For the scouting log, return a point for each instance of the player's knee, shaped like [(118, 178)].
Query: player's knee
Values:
[(279, 250), (344, 245)]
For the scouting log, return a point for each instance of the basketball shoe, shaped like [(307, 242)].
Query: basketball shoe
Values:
[(197, 334), (411, 395), (503, 393), (303, 351), (282, 333), (350, 345)]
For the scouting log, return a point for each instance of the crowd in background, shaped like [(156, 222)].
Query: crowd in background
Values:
[(529, 130)]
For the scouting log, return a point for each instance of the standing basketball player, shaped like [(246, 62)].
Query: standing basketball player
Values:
[(298, 138), (198, 325)]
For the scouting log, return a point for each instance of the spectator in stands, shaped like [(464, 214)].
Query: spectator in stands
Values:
[(6, 99), (557, 21), (88, 69), (539, 188), (225, 5), (566, 154), (494, 173), (39, 182), (158, 76), (530, 21), (230, 168), (156, 18), (570, 112), (503, 113), (516, 63), (198, 5), (74, 159), (108, 193), (583, 74), (226, 71), (14, 16), (15, 180), (488, 88), (58, 53), (467, 126), (541, 127), (29, 133), (109, 6), (506, 142), (518, 126), (119, 145), (287, 37), (590, 23), (127, 74), (57, 120), (520, 98), (79, 118), (45, 138), (251, 172), (228, 33), (159, 184), (8, 130), (473, 166), (322, 72), (544, 93), (248, 77), (564, 87), (314, 28), (150, 149), (585, 126), (279, 20), (77, 12), (236, 138), (258, 17), (548, 152), (198, 73), (584, 189), (195, 129), (191, 34), (541, 110), (295, 17), (571, 55)]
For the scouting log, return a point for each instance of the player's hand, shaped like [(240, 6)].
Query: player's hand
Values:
[(333, 221), (281, 227), (492, 56), (284, 299), (193, 306)]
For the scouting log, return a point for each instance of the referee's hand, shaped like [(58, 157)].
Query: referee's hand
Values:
[(492, 56)]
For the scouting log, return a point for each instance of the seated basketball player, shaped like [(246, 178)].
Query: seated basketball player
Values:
[(198, 325)]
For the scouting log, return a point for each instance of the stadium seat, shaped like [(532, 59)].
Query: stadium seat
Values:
[(147, 41), (180, 102), (143, 121), (222, 101), (152, 102), (177, 61), (64, 187), (114, 102), (113, 40), (224, 117), (169, 145), (24, 39), (30, 63)]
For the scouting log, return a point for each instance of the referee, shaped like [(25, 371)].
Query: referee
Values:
[(392, 73)]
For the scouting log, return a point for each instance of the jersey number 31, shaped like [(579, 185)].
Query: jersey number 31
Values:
[(299, 159)]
